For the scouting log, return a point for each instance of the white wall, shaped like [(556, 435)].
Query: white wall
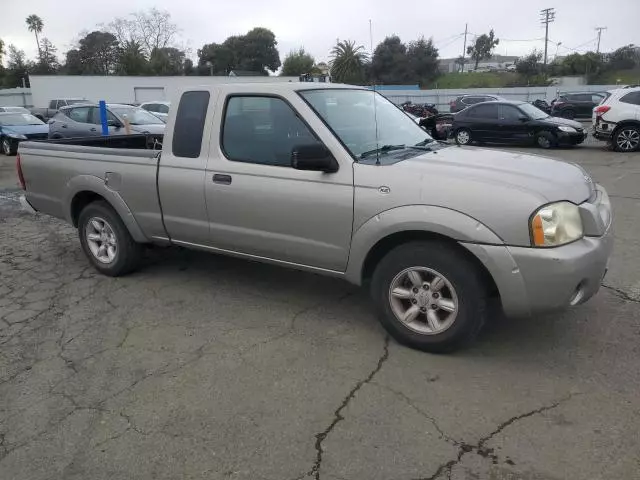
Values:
[(15, 97), (122, 89)]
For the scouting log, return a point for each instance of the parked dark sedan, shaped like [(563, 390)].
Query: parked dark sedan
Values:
[(15, 127), (576, 104), (514, 122)]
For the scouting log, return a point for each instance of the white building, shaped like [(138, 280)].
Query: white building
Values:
[(129, 89)]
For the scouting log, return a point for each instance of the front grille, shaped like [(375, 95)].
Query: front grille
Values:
[(36, 136)]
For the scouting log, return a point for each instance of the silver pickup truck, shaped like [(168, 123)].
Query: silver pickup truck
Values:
[(337, 180)]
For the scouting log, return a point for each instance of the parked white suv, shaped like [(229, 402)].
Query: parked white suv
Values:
[(617, 119)]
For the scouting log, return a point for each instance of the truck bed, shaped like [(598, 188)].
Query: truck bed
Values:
[(137, 141)]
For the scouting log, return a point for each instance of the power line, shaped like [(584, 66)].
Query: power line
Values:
[(547, 16)]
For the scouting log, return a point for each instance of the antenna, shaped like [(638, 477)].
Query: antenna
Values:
[(373, 91)]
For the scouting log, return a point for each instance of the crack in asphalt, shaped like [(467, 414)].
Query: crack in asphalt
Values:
[(618, 292), (480, 447), (337, 415)]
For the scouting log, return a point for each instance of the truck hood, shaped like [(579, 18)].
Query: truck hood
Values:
[(26, 129), (151, 128), (548, 179)]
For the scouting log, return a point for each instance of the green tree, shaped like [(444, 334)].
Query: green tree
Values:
[(188, 67), (15, 75), (255, 51), (166, 61), (423, 60), (482, 48), (35, 25), (530, 65), (583, 64), (390, 63), (296, 63), (624, 58), (348, 62), (131, 59), (48, 63), (97, 54)]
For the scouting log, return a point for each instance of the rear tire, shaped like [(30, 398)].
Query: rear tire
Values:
[(397, 293), (626, 139), (463, 136), (546, 140), (106, 241)]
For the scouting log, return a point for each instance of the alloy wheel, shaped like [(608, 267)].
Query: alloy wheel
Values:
[(423, 300), (101, 240), (628, 139)]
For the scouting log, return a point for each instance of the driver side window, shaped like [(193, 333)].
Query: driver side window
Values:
[(262, 130), (509, 112)]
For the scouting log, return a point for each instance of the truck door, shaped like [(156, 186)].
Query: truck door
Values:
[(258, 204), (181, 173)]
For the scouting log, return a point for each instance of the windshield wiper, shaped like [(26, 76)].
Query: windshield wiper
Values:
[(382, 149)]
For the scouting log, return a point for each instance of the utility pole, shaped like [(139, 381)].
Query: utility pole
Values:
[(464, 46), (547, 16), (599, 29)]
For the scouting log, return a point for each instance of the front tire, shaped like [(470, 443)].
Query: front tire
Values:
[(106, 241), (626, 139), (463, 136), (546, 140), (7, 148), (429, 296)]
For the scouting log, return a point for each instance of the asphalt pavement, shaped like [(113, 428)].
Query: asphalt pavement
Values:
[(207, 367)]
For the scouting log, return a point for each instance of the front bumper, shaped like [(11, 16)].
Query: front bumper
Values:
[(534, 280), (565, 138)]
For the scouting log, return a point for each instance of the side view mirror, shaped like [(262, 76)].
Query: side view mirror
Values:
[(315, 157), (114, 123), (523, 118)]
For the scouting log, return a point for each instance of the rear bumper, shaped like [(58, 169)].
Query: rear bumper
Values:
[(26, 205), (603, 130)]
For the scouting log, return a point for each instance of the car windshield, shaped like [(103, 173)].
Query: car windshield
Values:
[(533, 112), (137, 116), (19, 119), (360, 127)]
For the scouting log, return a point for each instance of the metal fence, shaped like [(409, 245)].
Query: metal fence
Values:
[(441, 97)]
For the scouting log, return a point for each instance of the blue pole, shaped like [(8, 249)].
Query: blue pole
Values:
[(103, 118)]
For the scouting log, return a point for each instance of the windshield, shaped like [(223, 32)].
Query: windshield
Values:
[(533, 112), (137, 116), (351, 116), (19, 119)]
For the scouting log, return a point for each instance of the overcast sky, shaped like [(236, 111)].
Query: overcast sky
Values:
[(317, 24)]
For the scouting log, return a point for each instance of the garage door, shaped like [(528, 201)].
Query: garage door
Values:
[(148, 94)]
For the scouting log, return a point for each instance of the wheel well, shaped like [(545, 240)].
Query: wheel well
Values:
[(81, 200), (625, 123), (388, 243)]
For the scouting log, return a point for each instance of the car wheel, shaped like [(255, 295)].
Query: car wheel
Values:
[(570, 114), (545, 140), (626, 139), (463, 136), (429, 296), (7, 148), (106, 241)]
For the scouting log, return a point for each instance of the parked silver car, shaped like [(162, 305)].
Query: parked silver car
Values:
[(158, 108), (84, 121), (320, 178)]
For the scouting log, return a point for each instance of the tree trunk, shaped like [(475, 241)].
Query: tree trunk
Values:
[(38, 44)]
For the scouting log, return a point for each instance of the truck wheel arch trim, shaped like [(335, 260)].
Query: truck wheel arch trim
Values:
[(445, 222), (96, 185)]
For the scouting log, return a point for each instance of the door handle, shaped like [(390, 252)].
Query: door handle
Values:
[(94, 129), (64, 125), (222, 179)]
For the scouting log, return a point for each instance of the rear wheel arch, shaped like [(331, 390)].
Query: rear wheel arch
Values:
[(80, 200)]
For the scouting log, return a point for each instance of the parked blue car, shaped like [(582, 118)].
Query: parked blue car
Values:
[(15, 127)]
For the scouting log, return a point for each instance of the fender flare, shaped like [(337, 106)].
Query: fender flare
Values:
[(91, 183), (423, 218)]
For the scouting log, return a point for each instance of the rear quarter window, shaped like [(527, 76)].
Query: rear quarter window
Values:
[(189, 124), (633, 98)]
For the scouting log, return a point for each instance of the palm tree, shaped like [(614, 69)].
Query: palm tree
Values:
[(347, 62), (35, 24)]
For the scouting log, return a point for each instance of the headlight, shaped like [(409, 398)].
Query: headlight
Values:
[(19, 136), (564, 128), (556, 224)]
